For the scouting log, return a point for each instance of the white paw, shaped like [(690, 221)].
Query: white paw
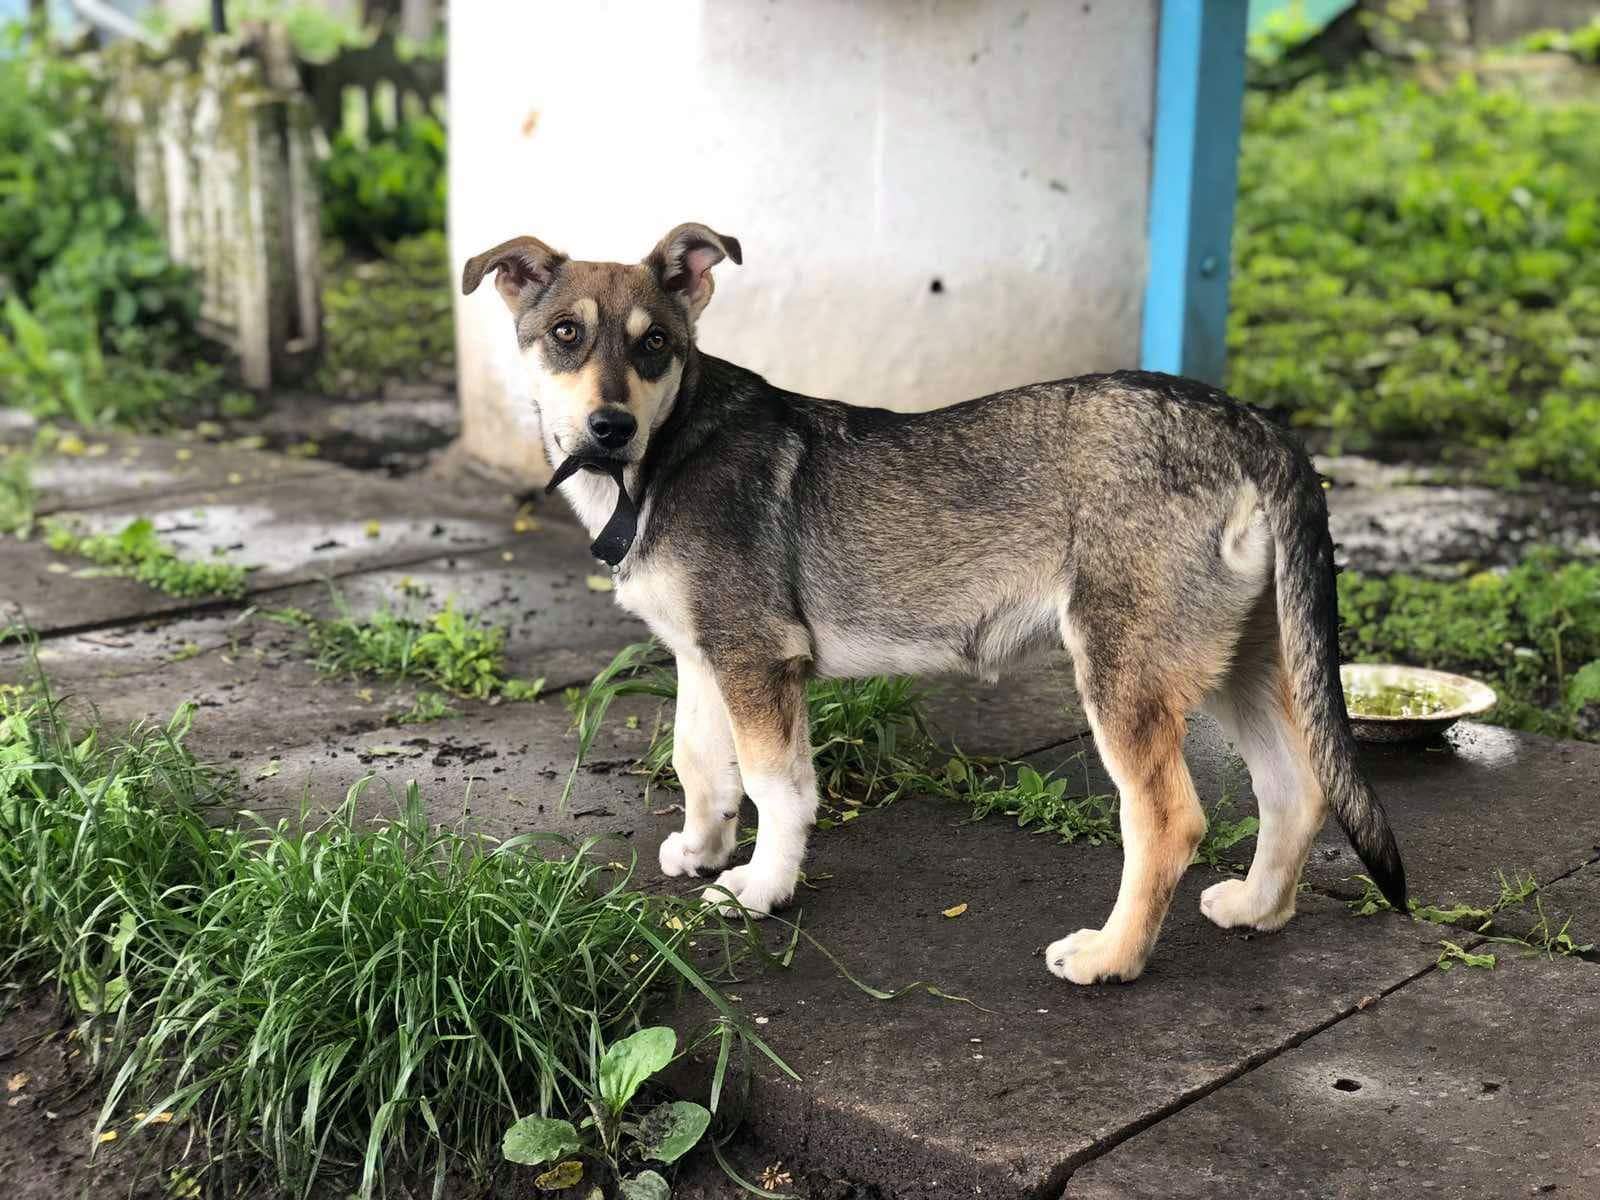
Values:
[(680, 855), (1232, 904), (759, 894), (1090, 956)]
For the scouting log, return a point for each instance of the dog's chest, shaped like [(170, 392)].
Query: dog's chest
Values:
[(658, 596)]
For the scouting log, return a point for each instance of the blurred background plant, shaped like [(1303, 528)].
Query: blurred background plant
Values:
[(96, 321), (1418, 266)]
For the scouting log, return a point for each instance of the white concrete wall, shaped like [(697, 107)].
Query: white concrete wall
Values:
[(859, 151)]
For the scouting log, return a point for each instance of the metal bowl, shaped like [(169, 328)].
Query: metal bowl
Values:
[(1445, 699)]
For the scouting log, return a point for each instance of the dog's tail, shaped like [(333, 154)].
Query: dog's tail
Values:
[(1308, 625)]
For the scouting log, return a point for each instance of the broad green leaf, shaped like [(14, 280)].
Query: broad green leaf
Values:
[(631, 1061), (535, 1140), (669, 1131), (646, 1185), (123, 938), (562, 1175), (95, 999)]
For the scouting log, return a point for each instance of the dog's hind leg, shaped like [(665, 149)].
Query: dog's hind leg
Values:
[(1253, 707), (1137, 716), (766, 704), (703, 757)]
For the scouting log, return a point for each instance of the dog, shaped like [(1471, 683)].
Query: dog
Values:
[(1174, 541)]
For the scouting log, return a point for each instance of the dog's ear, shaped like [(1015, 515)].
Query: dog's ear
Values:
[(522, 263), (682, 262)]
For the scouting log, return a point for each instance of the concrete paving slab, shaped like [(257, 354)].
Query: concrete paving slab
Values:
[(1026, 711), (258, 692), (124, 468), (504, 768), (329, 524), (1470, 1083), (926, 1097), (1483, 799)]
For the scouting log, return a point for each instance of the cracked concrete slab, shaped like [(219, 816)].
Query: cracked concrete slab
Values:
[(503, 767), (999, 1093), (253, 681), (1470, 1083), (329, 524), (1034, 708)]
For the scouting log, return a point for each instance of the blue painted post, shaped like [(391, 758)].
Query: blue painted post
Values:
[(1199, 95)]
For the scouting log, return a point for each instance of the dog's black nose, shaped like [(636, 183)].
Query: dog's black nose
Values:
[(612, 427)]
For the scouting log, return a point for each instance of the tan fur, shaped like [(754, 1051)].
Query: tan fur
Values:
[(1162, 823)]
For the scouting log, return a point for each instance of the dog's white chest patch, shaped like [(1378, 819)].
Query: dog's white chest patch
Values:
[(658, 596)]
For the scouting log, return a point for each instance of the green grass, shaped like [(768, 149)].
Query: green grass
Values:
[(16, 492), (457, 652), (319, 1007), (1533, 633), (871, 744), (390, 318), (137, 553), (1420, 265)]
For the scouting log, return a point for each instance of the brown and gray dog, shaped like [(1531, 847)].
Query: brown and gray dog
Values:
[(1174, 540)]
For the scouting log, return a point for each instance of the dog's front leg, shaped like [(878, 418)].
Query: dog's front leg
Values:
[(703, 757), (766, 704)]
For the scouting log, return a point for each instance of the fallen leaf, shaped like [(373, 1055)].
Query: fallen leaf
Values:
[(109, 1135), (162, 1118), (183, 454), (956, 911), (598, 583), (364, 694), (562, 1175), (268, 771), (1366, 1002), (18, 1081), (373, 529), (58, 568), (71, 444)]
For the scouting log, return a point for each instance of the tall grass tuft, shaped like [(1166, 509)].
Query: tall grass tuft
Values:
[(341, 1005), (862, 730)]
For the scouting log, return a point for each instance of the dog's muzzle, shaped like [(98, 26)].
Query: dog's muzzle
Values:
[(617, 537)]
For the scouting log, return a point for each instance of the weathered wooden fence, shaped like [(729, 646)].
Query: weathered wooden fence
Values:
[(372, 86), (221, 157)]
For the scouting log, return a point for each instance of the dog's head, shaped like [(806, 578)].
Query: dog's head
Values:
[(605, 344)]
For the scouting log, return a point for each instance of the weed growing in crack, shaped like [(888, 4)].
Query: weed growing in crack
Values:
[(1223, 833), (457, 652), (136, 552), (1544, 937)]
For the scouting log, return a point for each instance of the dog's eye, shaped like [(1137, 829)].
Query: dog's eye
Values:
[(566, 332), (655, 341)]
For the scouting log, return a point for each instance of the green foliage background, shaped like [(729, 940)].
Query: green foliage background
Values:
[(1416, 264), (96, 321)]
